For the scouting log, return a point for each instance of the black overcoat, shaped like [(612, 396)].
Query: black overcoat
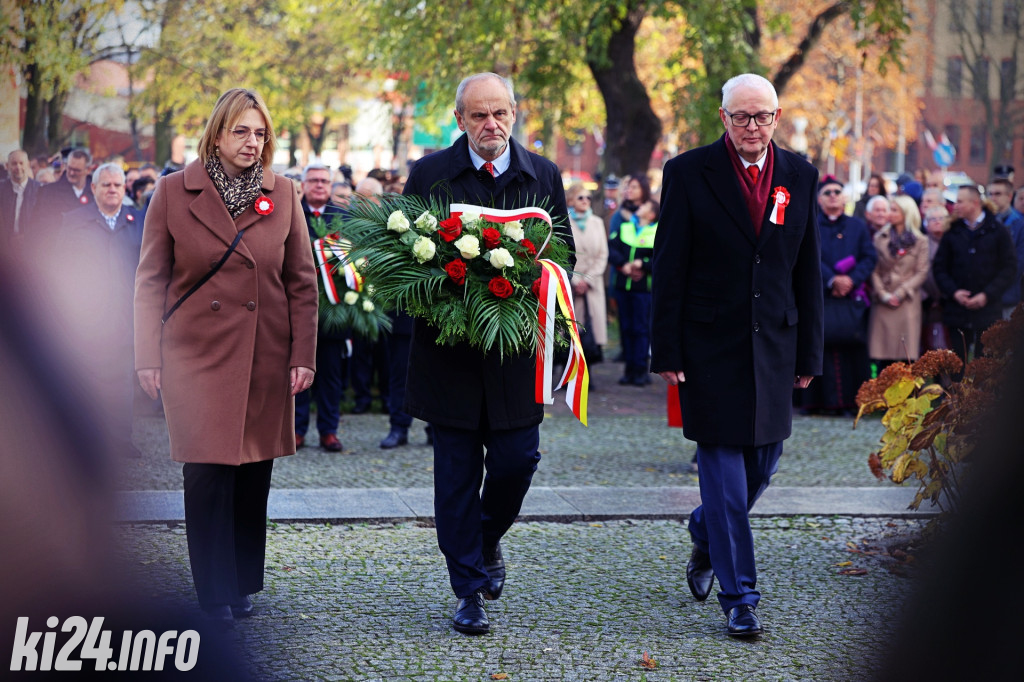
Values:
[(457, 386), (739, 314)]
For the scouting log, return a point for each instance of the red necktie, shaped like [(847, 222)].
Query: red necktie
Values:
[(316, 214), (753, 172), (489, 167)]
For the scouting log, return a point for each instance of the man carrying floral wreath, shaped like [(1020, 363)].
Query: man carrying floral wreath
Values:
[(481, 406)]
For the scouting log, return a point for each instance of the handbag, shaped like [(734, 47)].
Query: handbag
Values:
[(846, 320), (205, 278)]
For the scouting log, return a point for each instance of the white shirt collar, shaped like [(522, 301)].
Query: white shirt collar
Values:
[(500, 164), (759, 163)]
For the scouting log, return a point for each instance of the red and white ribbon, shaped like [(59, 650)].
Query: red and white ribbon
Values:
[(781, 196), (496, 215), (330, 256)]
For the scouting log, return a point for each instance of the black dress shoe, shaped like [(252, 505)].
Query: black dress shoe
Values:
[(743, 621), (397, 436), (220, 615), (470, 617), (494, 564), (242, 608), (360, 409), (699, 574)]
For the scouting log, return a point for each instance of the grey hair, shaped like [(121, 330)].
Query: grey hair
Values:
[(314, 166), (749, 80), (114, 168), (460, 104), (80, 153), (874, 200)]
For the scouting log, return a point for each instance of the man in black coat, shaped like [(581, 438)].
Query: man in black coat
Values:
[(105, 238), (331, 344), (737, 324), (18, 194), (974, 265), (70, 193), (476, 402)]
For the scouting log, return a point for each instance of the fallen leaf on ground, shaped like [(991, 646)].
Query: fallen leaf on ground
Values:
[(853, 571), (648, 662), (499, 676), (845, 563)]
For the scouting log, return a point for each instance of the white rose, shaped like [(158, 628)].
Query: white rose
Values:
[(398, 222), (426, 222), (501, 258), (368, 305), (470, 218), (513, 230), (351, 297), (369, 290), (468, 246), (423, 249)]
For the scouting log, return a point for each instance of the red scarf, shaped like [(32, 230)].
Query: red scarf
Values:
[(755, 196)]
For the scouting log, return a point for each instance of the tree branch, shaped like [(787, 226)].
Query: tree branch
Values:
[(811, 38)]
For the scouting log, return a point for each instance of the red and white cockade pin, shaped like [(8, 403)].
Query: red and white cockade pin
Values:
[(781, 196), (83, 199), (129, 217), (264, 206)]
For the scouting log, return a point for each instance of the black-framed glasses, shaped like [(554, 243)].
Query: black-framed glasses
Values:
[(583, 197), (832, 192), (241, 134), (742, 120)]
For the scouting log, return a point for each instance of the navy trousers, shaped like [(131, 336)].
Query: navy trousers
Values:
[(635, 329), (327, 389), (226, 528), (732, 478), (466, 519), (398, 343)]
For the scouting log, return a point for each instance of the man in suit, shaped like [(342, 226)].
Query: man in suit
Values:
[(18, 195), (331, 348), (105, 238), (476, 402), (737, 325), (71, 192)]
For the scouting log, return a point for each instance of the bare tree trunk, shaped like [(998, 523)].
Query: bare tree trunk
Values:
[(633, 129)]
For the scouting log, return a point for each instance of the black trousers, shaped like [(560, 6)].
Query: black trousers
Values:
[(226, 527)]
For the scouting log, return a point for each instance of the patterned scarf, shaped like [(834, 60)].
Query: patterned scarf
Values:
[(240, 192), (900, 241)]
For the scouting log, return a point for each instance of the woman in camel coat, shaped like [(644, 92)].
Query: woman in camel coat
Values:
[(591, 262), (894, 327), (230, 359)]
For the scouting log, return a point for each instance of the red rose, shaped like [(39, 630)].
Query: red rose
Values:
[(491, 238), (530, 248), (535, 288), (450, 229), (500, 287), (457, 270)]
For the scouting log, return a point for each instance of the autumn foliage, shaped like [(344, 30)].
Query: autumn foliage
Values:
[(931, 420)]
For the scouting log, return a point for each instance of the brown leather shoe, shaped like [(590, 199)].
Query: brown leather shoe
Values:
[(330, 442)]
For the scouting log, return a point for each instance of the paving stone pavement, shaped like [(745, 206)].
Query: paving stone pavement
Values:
[(584, 599)]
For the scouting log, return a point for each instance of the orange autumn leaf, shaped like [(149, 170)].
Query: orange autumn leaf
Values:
[(853, 571), (499, 676), (648, 662)]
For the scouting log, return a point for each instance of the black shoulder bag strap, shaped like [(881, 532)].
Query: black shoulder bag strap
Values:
[(205, 278)]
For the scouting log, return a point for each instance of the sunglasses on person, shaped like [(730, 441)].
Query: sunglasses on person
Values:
[(583, 197), (832, 192)]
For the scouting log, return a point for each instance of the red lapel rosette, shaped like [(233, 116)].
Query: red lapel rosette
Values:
[(781, 196), (83, 199), (264, 206)]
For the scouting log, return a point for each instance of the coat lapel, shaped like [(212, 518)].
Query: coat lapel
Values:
[(784, 175), (721, 178), (207, 207)]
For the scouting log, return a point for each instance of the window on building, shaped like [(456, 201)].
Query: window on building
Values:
[(1007, 79), (980, 78), (984, 16), (954, 76), (952, 132), (979, 144), (1011, 16)]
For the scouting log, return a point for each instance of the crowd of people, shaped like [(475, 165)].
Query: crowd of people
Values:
[(727, 302)]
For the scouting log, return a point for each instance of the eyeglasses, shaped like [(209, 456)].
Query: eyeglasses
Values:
[(832, 192), (241, 133), (742, 120), (582, 197), (318, 181)]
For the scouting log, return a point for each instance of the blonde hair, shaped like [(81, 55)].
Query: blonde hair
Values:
[(226, 113), (911, 214)]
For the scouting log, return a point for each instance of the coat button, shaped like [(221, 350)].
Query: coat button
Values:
[(250, 305), (757, 327), (757, 258), (249, 264), (214, 262), (215, 305), (757, 293)]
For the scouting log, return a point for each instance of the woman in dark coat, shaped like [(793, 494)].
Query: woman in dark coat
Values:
[(847, 260)]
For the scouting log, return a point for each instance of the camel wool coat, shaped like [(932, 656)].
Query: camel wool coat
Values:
[(895, 333), (225, 355), (591, 263)]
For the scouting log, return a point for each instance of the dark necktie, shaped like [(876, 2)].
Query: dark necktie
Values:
[(489, 167), (753, 172)]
